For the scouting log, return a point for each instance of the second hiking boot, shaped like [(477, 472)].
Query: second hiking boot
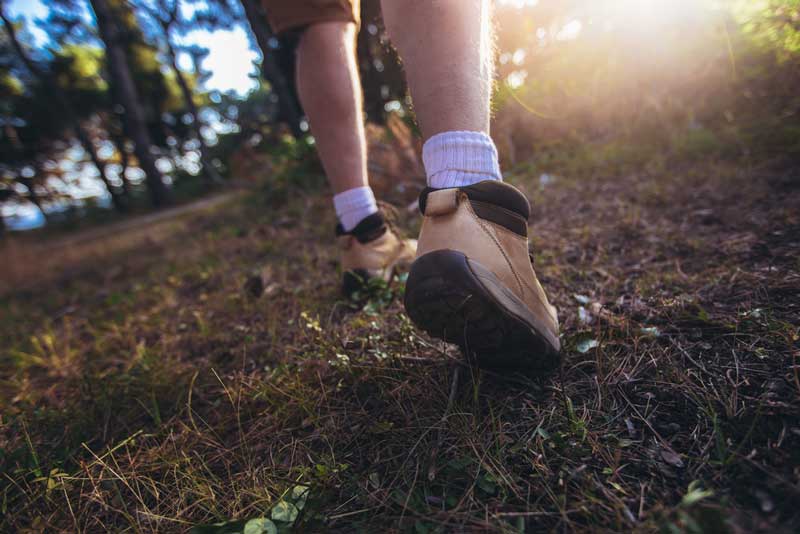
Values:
[(373, 249), (473, 282)]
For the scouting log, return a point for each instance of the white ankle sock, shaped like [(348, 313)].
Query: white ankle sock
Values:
[(455, 159), (353, 205)]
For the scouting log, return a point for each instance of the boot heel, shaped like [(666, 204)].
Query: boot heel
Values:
[(459, 301)]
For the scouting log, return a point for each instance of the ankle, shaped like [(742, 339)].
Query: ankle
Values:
[(460, 158), (354, 205)]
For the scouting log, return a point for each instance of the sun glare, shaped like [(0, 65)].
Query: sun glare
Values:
[(650, 13), (646, 20), (570, 30), (230, 58)]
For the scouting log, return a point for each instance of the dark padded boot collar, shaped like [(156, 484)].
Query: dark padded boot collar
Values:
[(371, 227), (493, 201), (492, 192)]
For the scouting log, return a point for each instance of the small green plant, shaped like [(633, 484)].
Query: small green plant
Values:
[(282, 517), (377, 294), (692, 517)]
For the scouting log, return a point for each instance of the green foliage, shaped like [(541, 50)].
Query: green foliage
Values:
[(771, 25), (283, 515), (78, 67), (376, 294)]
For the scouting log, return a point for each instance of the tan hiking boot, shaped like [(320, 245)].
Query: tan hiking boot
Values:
[(373, 249), (473, 282)]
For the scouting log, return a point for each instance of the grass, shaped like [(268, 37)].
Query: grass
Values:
[(217, 376)]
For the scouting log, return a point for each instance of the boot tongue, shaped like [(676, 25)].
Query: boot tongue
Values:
[(370, 228)]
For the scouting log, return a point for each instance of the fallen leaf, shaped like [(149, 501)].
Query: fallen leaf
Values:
[(285, 512), (586, 345), (300, 496), (260, 525), (671, 457), (650, 331)]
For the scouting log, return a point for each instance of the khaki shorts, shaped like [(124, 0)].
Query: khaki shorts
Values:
[(287, 15)]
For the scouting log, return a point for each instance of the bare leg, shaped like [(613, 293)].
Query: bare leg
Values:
[(446, 49), (330, 90)]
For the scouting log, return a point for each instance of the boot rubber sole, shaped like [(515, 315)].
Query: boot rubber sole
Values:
[(459, 301)]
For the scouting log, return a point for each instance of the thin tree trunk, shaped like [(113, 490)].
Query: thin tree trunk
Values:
[(33, 196), (122, 78), (5, 194), (124, 160), (63, 105), (270, 68), (208, 169), (11, 134), (116, 199)]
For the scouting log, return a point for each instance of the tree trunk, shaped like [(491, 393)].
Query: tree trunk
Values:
[(33, 196), (119, 142), (116, 199), (270, 68), (122, 79), (209, 170), (62, 105)]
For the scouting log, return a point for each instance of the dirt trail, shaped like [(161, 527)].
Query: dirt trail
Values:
[(27, 263)]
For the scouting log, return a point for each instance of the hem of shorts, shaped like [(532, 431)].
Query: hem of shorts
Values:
[(300, 23)]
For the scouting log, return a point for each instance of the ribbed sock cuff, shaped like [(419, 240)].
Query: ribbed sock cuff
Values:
[(459, 158), (353, 205)]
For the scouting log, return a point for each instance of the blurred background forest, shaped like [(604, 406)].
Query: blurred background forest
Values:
[(112, 107)]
